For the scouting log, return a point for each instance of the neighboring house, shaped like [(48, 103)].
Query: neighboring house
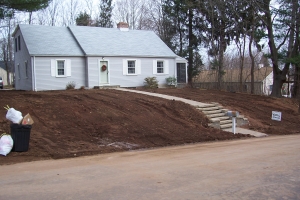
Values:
[(3, 73), (263, 80), (48, 57)]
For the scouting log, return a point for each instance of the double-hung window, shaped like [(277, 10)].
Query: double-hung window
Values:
[(160, 67), (61, 68), (26, 69), (131, 66)]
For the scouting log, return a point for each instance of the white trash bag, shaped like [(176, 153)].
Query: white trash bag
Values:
[(6, 144), (13, 115)]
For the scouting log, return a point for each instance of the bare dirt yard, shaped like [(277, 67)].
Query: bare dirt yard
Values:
[(86, 122)]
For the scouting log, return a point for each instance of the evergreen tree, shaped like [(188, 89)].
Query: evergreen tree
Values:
[(7, 6), (83, 19), (183, 16), (105, 14)]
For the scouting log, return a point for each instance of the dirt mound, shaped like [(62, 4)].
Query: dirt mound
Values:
[(258, 109), (86, 122)]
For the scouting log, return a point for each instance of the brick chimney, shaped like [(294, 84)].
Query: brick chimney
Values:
[(122, 26)]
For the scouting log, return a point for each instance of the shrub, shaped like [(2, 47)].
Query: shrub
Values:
[(82, 88), (171, 80), (151, 82), (71, 85)]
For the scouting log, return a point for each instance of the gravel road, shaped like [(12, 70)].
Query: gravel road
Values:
[(259, 168)]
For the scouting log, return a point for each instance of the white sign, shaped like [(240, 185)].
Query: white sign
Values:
[(276, 115)]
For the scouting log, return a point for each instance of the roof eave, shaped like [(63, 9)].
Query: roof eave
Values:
[(56, 55), (131, 56)]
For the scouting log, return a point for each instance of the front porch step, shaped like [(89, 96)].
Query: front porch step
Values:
[(106, 86)]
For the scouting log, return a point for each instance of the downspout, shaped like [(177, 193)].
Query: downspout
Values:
[(175, 72), (33, 75)]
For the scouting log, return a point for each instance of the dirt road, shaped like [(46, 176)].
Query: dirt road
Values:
[(264, 168)]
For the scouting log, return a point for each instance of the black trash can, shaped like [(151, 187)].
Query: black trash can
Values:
[(21, 136)]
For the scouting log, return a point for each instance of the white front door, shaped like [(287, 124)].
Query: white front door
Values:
[(103, 72)]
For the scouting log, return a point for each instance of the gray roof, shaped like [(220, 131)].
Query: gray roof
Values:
[(50, 40), (92, 41), (113, 42)]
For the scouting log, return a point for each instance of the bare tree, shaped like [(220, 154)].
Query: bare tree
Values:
[(134, 12), (7, 46)]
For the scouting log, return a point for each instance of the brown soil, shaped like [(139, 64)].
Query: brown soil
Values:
[(86, 122)]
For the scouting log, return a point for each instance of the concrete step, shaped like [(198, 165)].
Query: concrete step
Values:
[(215, 115), (224, 110), (211, 112), (225, 122), (208, 108), (226, 126), (106, 86), (217, 119)]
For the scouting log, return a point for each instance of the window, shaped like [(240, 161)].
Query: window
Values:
[(26, 69), (19, 42), (131, 66), (19, 73), (160, 67), (16, 44), (61, 68)]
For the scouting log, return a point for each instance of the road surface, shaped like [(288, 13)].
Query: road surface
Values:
[(260, 168)]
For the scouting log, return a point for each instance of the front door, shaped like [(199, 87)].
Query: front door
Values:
[(103, 72), (181, 73)]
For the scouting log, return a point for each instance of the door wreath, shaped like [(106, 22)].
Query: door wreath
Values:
[(103, 68)]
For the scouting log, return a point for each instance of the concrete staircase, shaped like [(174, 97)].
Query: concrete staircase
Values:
[(218, 118)]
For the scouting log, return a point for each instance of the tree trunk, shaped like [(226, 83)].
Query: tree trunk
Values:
[(278, 80), (190, 48), (222, 47), (252, 62)]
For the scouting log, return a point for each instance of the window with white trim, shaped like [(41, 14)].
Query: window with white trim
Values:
[(131, 66), (60, 67), (160, 67), (26, 69)]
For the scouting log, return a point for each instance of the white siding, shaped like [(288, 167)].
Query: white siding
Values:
[(117, 77), (45, 80)]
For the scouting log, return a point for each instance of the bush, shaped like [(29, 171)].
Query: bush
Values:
[(151, 82), (171, 80), (71, 85), (82, 88)]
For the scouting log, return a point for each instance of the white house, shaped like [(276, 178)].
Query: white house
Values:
[(48, 57), (3, 73)]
